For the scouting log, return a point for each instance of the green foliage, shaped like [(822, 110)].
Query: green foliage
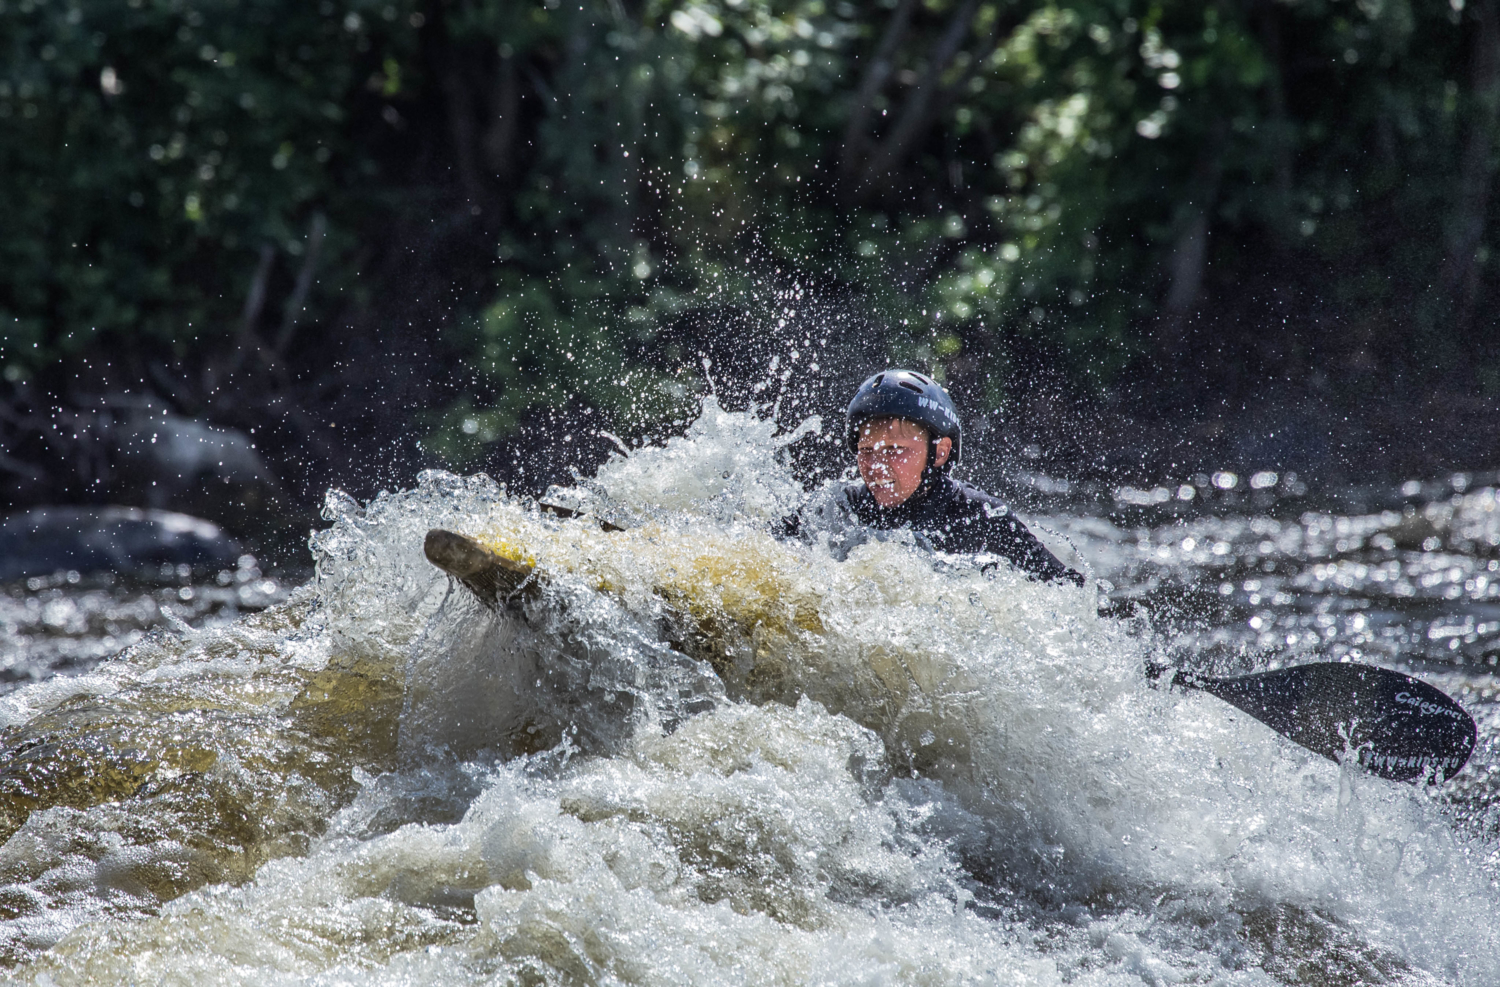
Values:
[(1080, 179), (151, 147), (565, 340)]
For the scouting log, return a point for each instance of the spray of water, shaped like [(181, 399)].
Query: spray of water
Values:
[(695, 754)]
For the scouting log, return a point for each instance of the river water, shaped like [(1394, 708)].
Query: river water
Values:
[(689, 753)]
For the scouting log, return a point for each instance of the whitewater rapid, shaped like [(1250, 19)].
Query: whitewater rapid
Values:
[(894, 768)]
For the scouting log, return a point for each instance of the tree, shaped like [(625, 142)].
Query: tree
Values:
[(441, 220)]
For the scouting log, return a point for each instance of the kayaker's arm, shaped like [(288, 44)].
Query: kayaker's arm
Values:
[(1008, 537)]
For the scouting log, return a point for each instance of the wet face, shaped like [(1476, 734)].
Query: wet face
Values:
[(891, 454)]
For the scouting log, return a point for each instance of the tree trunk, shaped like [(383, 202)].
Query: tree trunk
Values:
[(1281, 128), (1458, 280), (915, 118), (1189, 258), (857, 131), (500, 135)]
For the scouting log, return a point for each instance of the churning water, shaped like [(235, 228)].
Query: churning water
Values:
[(694, 754)]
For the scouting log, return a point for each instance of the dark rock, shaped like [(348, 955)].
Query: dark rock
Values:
[(126, 540), (176, 454)]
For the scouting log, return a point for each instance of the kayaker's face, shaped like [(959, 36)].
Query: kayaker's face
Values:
[(891, 454)]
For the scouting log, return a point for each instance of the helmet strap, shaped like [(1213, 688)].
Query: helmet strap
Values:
[(931, 472)]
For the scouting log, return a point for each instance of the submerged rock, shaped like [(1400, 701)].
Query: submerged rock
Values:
[(126, 540)]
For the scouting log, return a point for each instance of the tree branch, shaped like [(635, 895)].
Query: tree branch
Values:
[(255, 301), (1189, 258), (298, 301), (1281, 129), (914, 118), (1458, 277), (856, 132), (500, 135)]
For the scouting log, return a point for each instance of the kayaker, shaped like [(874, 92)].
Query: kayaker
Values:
[(905, 434)]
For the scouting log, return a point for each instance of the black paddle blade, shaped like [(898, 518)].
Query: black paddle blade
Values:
[(1402, 728)]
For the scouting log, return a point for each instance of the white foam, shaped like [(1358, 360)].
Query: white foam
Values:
[(1111, 834)]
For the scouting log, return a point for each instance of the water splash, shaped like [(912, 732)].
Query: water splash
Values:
[(697, 754)]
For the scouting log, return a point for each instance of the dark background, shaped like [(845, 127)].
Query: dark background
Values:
[(252, 249)]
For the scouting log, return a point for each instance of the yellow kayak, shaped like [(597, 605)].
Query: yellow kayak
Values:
[(746, 604)]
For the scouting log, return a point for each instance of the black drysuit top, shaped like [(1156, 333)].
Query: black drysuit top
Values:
[(950, 515)]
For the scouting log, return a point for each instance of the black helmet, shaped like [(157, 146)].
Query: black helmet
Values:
[(910, 395)]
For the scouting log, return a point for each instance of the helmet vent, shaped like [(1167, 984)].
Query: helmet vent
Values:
[(921, 378), (910, 386), (879, 379)]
